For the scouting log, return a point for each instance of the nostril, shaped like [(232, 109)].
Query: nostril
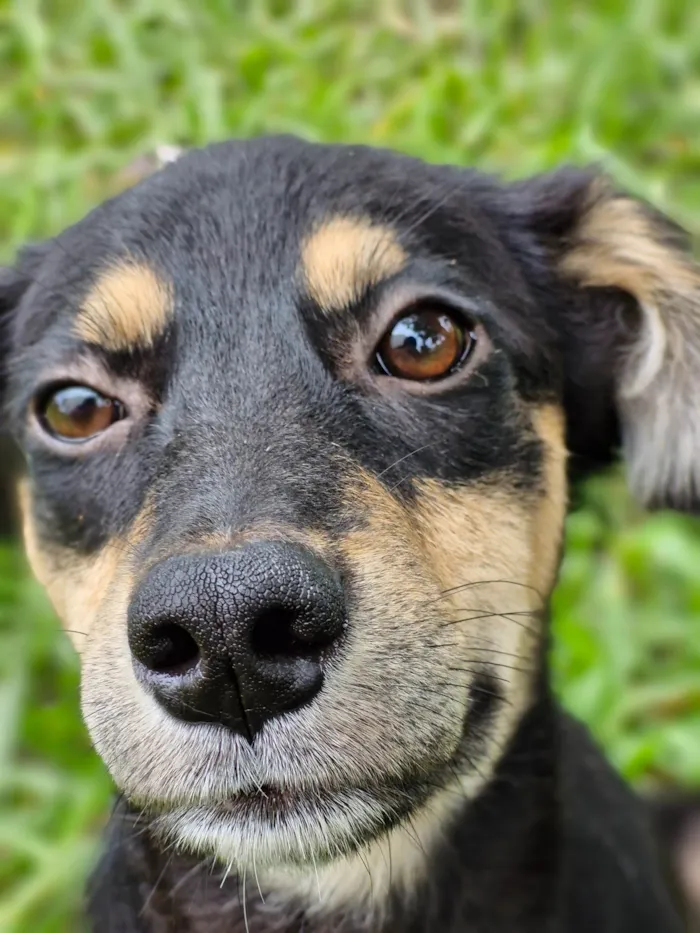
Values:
[(273, 635), (236, 638), (173, 650)]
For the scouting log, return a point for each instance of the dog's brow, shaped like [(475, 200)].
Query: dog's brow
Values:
[(127, 307), (346, 255)]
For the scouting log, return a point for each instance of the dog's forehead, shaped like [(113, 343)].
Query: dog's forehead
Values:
[(253, 180), (257, 230), (269, 194)]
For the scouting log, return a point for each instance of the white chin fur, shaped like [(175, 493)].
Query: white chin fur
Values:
[(310, 857), (312, 831)]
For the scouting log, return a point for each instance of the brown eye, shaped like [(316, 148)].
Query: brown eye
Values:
[(76, 413), (427, 344)]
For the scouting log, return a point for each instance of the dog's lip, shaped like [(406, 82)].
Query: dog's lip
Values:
[(363, 812), (283, 826), (269, 801), (267, 796)]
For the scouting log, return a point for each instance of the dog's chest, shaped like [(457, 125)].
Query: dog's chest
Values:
[(205, 905), (232, 919)]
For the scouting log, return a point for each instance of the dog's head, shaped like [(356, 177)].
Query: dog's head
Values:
[(295, 420)]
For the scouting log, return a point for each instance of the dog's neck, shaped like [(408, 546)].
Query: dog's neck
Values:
[(498, 853)]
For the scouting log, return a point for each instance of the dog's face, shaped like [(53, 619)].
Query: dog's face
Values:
[(295, 422)]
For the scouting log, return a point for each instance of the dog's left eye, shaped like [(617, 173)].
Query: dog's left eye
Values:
[(77, 412), (425, 344)]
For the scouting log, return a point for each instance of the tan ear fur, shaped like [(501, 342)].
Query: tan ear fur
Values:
[(621, 243)]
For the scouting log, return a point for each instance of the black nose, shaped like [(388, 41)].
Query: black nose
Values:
[(237, 637)]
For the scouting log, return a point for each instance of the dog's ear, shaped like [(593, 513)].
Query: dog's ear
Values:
[(627, 310), (14, 282)]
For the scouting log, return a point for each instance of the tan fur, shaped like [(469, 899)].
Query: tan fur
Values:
[(617, 244), (411, 645), (77, 586), (128, 307), (491, 530), (74, 585), (401, 655), (495, 551), (548, 517), (345, 256)]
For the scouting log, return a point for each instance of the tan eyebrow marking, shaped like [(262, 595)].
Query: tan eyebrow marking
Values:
[(346, 255), (127, 307)]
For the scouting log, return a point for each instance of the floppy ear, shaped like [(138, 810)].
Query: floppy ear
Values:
[(14, 281), (628, 315)]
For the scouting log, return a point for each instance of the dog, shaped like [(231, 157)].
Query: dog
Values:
[(299, 423)]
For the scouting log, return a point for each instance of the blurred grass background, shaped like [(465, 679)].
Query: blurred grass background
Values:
[(86, 86)]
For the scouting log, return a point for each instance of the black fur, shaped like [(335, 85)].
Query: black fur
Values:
[(251, 402), (555, 843)]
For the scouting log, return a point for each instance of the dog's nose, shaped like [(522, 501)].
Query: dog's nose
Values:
[(238, 637)]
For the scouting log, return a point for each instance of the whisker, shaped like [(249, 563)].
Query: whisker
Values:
[(474, 688), (257, 880), (414, 835), (364, 861), (492, 615), (477, 673), (245, 903), (391, 862), (188, 875), (473, 583), (226, 874), (402, 480), (147, 902), (498, 664), (405, 457), (318, 880), (470, 647), (490, 651)]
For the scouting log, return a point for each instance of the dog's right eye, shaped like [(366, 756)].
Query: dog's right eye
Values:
[(77, 413), (427, 343)]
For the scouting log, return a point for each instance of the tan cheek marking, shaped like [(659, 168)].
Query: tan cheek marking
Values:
[(346, 256), (550, 512), (127, 307), (465, 535), (471, 533), (486, 531), (76, 586), (478, 541), (385, 544), (459, 565)]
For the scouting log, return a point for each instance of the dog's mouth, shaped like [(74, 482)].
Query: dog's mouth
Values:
[(275, 823), (276, 826), (273, 805), (271, 797), (269, 802)]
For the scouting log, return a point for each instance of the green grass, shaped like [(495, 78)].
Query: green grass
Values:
[(87, 85)]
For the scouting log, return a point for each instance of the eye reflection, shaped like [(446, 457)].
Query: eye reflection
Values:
[(425, 345), (78, 412)]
